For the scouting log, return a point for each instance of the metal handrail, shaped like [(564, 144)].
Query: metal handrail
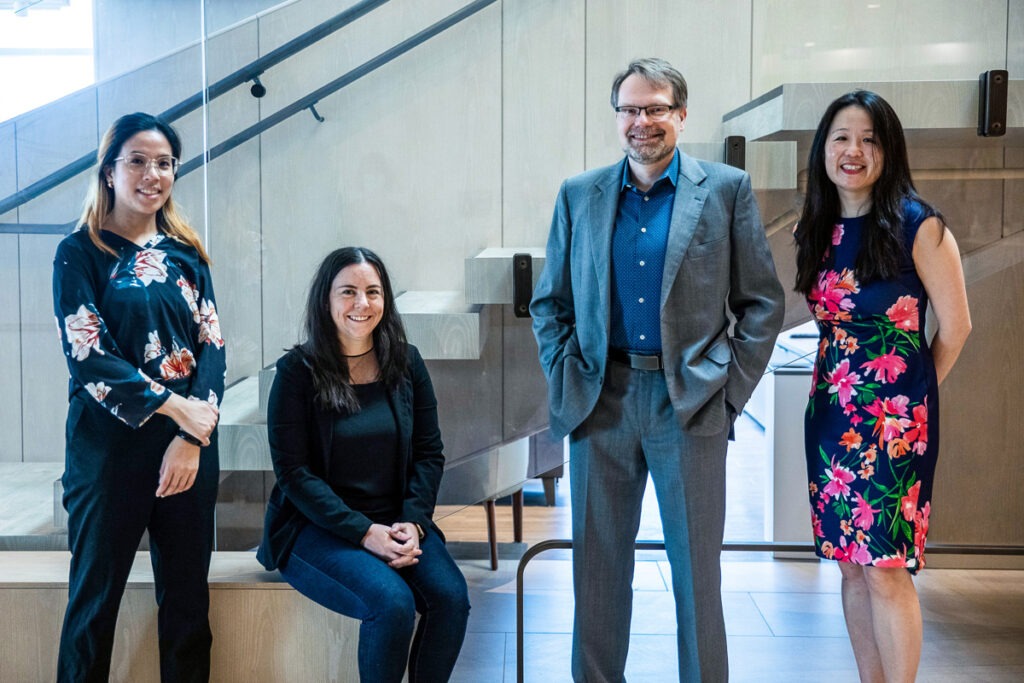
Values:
[(244, 75), (743, 546)]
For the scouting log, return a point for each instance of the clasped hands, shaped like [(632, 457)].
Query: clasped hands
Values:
[(181, 459), (398, 544)]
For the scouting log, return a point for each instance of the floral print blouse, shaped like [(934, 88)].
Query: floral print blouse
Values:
[(136, 326)]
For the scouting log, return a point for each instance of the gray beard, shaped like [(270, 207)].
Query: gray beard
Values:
[(648, 154)]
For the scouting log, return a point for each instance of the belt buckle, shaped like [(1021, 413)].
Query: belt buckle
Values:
[(639, 362)]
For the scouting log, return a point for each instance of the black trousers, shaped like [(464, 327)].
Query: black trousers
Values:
[(110, 480)]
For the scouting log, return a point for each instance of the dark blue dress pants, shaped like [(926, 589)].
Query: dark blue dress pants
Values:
[(110, 480)]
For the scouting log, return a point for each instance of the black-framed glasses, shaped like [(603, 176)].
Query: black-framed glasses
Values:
[(136, 164), (655, 112)]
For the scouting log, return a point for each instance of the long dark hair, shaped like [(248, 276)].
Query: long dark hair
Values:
[(99, 202), (321, 348), (883, 251)]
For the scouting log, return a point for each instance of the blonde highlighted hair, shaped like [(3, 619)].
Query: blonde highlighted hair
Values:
[(99, 202)]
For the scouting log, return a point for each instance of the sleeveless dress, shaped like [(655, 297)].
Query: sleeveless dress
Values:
[(870, 450)]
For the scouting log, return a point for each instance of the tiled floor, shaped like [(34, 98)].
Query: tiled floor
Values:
[(783, 617)]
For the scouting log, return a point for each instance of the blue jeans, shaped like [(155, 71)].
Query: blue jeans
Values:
[(347, 579)]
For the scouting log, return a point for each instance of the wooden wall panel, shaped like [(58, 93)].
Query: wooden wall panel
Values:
[(543, 78), (979, 474)]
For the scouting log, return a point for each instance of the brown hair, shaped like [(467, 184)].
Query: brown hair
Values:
[(100, 200)]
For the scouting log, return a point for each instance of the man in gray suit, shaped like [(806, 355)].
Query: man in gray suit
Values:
[(646, 261)]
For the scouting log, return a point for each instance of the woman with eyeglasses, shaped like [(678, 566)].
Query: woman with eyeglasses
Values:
[(138, 324)]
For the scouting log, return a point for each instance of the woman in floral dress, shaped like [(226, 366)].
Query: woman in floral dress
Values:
[(137, 321), (871, 255)]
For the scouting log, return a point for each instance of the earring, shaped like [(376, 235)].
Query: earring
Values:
[(110, 183)]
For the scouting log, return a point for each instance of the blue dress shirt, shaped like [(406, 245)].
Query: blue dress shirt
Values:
[(639, 242)]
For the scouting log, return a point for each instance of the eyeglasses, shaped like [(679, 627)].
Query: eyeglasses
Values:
[(655, 112), (136, 164)]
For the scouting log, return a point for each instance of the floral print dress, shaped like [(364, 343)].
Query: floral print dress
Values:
[(136, 326), (870, 451)]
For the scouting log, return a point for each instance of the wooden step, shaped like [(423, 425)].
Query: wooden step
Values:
[(489, 273), (442, 325)]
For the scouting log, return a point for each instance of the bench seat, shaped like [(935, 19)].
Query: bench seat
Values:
[(263, 630)]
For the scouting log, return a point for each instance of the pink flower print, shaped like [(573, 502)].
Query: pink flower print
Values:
[(908, 504), (83, 332), (921, 529), (828, 550), (209, 325), (856, 553), (149, 266), (97, 390), (178, 364), (903, 313), (154, 349), (837, 234), (897, 561), (891, 414), (866, 471), (844, 526), (821, 505), (863, 513), (191, 295), (839, 479), (830, 295), (918, 432), (856, 420), (886, 367), (816, 525), (842, 382)]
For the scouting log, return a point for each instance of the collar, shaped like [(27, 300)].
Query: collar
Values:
[(671, 173)]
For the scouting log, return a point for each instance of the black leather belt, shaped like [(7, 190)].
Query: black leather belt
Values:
[(636, 361)]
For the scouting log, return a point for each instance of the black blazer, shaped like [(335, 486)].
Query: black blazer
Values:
[(300, 433)]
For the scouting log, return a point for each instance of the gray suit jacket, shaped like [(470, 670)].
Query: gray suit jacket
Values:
[(717, 263)]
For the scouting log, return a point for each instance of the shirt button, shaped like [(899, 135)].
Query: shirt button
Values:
[(641, 299), (643, 336), (642, 263), (646, 198), (643, 229)]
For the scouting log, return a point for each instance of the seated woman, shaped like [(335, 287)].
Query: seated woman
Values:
[(353, 432)]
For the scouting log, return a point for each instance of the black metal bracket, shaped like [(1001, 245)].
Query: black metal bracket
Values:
[(736, 151), (522, 284), (257, 90), (315, 113)]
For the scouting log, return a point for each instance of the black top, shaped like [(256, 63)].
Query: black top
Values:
[(364, 456), (301, 435)]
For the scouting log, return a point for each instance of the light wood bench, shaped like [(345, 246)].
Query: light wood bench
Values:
[(263, 629)]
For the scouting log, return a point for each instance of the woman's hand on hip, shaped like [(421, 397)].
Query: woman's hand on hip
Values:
[(178, 469), (392, 544)]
